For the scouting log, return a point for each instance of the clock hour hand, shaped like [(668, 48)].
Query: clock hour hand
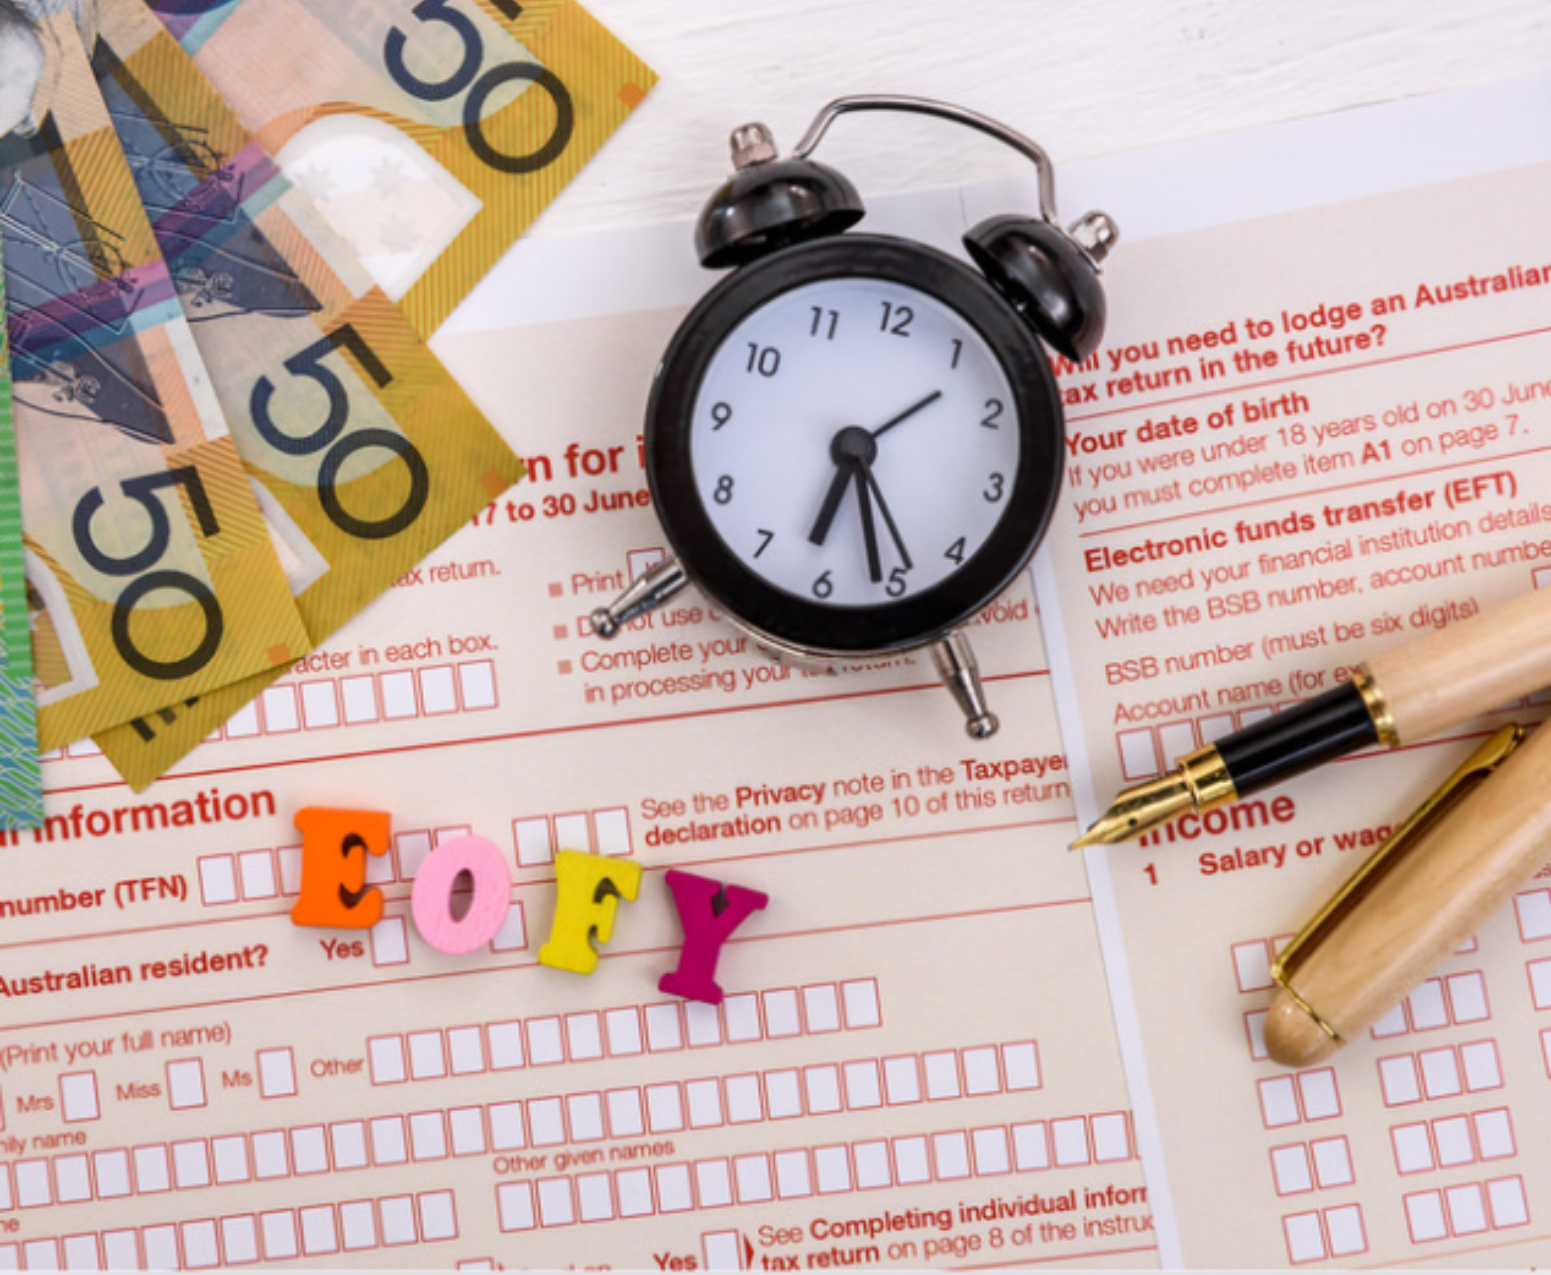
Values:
[(844, 473)]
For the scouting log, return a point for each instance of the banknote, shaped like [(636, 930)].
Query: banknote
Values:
[(430, 132), (150, 571), (364, 451), (21, 790)]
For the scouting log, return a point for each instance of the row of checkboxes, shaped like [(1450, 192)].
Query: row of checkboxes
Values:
[(625, 1031), (1452, 1141), (519, 1125), (316, 1230), (358, 699), (761, 1178)]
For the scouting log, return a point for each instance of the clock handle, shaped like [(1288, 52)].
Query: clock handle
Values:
[(960, 672), (941, 110), (646, 592)]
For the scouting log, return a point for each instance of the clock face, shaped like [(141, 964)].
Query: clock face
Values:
[(854, 441), (854, 444)]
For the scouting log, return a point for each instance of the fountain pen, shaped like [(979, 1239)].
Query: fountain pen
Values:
[(1399, 696)]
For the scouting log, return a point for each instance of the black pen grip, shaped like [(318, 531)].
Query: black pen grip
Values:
[(1297, 739)]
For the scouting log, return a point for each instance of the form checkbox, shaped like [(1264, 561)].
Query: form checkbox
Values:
[(358, 1225), (633, 1193), (239, 1239), (506, 1127), (674, 1191), (112, 1171), (230, 1156), (397, 1213), (466, 1050), (348, 1140), (821, 1007), (557, 1206), (153, 1173), (200, 1249), (438, 1216), (309, 1150), (664, 1027), (467, 1126), (398, 695), (992, 1156), (782, 1015), (78, 1096), (584, 1114), (72, 1179), (320, 705), (713, 1183), (515, 1206), (595, 1197), (428, 1135), (950, 1153), (277, 1072), (279, 1230), (271, 1158), (751, 1173), (506, 1051), (664, 1108), (794, 1175), (1031, 1146), (743, 1099), (627, 1117), (901, 1079), (191, 1164), (386, 1056), (390, 942), (185, 1083), (860, 1000), (584, 1037), (389, 1144)]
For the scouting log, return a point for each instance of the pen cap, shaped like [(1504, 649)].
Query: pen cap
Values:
[(1444, 872)]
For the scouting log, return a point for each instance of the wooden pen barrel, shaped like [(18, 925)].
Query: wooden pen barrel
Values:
[(1410, 920), (1498, 655)]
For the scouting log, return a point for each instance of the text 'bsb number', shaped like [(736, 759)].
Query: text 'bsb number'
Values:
[(470, 76)]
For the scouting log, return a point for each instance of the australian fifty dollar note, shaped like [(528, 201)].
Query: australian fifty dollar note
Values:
[(430, 132), (364, 450), (150, 572)]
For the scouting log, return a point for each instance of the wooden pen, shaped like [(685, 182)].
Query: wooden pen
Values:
[(1459, 858), (1398, 696)]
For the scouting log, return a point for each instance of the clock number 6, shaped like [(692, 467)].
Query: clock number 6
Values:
[(467, 76), (141, 491), (309, 365)]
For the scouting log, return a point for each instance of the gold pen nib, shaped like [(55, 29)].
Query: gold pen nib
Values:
[(1140, 809)]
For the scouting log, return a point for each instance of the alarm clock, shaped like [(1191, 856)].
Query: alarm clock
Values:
[(854, 441)]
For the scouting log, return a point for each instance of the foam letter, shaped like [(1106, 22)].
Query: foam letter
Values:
[(709, 912), (431, 899), (335, 844), (588, 890)]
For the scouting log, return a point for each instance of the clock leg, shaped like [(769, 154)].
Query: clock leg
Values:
[(646, 592), (960, 672)]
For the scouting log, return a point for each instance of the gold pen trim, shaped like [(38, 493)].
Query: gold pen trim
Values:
[(1377, 706), (1421, 821)]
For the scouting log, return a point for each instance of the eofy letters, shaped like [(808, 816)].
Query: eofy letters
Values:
[(334, 894)]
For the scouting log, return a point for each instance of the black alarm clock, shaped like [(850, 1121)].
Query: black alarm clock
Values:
[(854, 442)]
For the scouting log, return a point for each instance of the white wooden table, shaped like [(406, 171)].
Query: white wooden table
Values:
[(1084, 80)]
